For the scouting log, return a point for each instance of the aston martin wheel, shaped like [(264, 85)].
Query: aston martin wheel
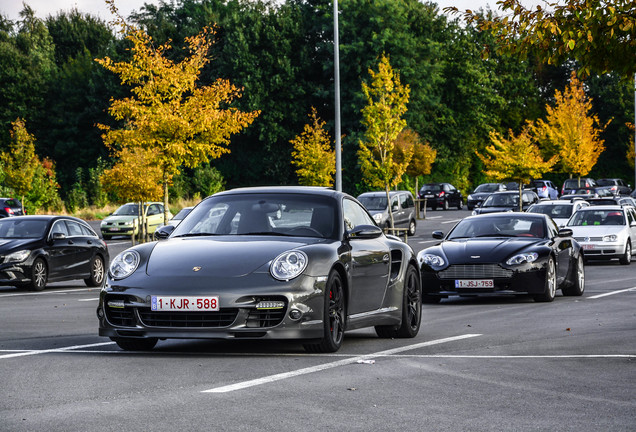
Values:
[(334, 317), (550, 285), (412, 227), (578, 286), (39, 275), (411, 310), (135, 344), (97, 272), (626, 259)]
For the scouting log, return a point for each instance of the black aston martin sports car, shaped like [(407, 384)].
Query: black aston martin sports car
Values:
[(35, 250), (503, 253), (264, 263)]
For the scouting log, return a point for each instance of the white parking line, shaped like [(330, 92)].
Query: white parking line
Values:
[(304, 371), (612, 293), (47, 292), (63, 349)]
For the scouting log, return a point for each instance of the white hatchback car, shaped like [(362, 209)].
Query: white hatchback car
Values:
[(605, 232), (559, 210)]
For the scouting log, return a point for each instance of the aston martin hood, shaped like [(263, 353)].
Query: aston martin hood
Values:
[(487, 250), (216, 257)]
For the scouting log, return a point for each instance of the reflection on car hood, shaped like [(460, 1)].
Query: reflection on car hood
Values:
[(11, 245), (483, 250), (226, 257), (596, 230)]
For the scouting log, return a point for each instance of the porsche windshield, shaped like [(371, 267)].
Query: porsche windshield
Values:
[(262, 214), (500, 226)]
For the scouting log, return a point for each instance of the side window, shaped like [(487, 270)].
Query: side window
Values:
[(87, 231), (354, 215), (408, 201), (73, 228), (631, 216), (154, 209), (59, 227), (553, 230), (394, 203)]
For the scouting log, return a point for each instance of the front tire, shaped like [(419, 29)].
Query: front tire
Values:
[(97, 272), (334, 317), (411, 310), (412, 227), (446, 206), (626, 259), (578, 287), (39, 275), (134, 344), (549, 290)]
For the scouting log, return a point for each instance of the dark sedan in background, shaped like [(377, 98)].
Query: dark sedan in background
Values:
[(443, 195), (297, 263), (35, 250), (482, 192), (505, 253), (10, 207), (506, 202)]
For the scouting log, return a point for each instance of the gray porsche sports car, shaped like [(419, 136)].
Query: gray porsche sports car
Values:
[(297, 263)]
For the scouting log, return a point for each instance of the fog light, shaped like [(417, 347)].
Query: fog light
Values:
[(295, 314), (270, 305), (100, 313)]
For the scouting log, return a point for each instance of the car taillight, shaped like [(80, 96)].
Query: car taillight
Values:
[(545, 187), (8, 210), (441, 193)]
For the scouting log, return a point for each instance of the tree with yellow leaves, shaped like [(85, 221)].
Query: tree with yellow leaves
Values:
[(177, 122), (312, 154), (382, 116), (630, 148), (516, 158), (423, 154), (20, 162), (570, 131), (135, 177)]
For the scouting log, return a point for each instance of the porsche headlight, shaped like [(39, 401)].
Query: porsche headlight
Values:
[(523, 258), (18, 256), (288, 265), (431, 260), (124, 264), (610, 238)]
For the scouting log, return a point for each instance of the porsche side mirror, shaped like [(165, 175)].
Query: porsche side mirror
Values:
[(164, 232), (438, 235), (364, 232)]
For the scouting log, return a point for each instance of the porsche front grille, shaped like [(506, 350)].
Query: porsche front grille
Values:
[(475, 271), (223, 318)]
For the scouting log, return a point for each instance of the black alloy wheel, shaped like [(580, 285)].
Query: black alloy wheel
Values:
[(334, 317), (411, 310), (578, 285)]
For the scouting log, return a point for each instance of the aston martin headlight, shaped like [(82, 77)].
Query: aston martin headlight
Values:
[(610, 238), (124, 264), (523, 258), (18, 256), (288, 265), (430, 260)]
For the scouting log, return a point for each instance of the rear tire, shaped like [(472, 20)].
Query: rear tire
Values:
[(334, 317), (446, 206), (411, 310), (412, 227), (97, 272), (460, 205)]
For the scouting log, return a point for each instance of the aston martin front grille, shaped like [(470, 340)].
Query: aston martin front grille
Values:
[(223, 318), (475, 271)]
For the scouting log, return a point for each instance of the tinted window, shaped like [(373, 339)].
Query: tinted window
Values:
[(373, 202)]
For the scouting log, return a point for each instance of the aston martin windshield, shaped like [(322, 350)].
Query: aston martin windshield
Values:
[(501, 226), (262, 214)]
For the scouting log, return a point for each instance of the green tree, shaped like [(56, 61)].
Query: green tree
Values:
[(516, 158), (20, 161), (600, 35), (382, 117), (571, 131), (312, 154), (169, 115)]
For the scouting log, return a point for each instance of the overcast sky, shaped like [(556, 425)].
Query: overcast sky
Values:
[(44, 8)]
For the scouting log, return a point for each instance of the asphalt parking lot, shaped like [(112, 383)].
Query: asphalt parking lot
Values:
[(488, 363)]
